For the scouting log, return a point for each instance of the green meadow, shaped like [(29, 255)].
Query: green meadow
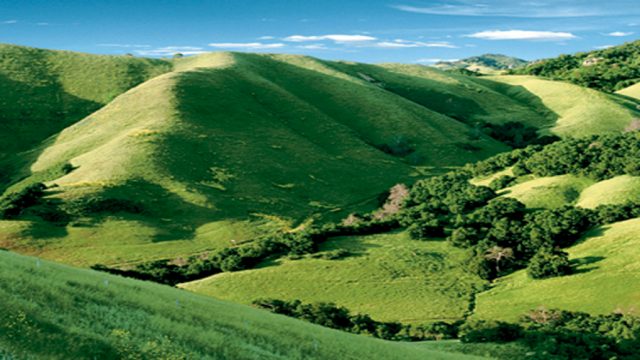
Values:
[(390, 277)]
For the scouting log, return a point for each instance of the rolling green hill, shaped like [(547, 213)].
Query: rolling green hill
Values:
[(606, 279), (578, 111), (53, 311)]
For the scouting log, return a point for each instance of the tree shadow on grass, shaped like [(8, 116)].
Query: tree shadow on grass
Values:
[(581, 265)]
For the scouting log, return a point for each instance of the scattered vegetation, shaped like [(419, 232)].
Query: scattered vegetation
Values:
[(609, 69)]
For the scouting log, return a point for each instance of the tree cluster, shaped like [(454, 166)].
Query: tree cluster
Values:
[(335, 317), (608, 70), (556, 334)]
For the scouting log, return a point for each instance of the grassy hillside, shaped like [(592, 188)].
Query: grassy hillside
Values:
[(631, 91), (390, 277), (577, 111), (242, 136), (54, 311), (45, 91), (607, 279), (608, 69), (548, 192), (617, 190)]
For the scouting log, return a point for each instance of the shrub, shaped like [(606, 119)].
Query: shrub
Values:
[(549, 263), (489, 331), (13, 204)]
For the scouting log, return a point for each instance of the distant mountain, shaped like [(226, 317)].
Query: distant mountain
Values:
[(610, 69), (487, 63)]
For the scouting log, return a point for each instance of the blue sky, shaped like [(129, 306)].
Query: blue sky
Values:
[(410, 31)]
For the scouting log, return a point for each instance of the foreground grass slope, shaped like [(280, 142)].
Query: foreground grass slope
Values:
[(52, 311), (44, 91), (607, 279), (389, 276)]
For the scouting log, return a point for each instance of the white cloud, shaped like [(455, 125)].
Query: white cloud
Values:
[(433, 60), (524, 9), (125, 45), (313, 47), (171, 50), (619, 33), (8, 22), (602, 47), (248, 46), (400, 43), (266, 38), (339, 38), (521, 35)]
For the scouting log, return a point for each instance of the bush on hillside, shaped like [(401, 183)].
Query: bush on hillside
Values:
[(13, 204), (502, 182), (332, 316), (548, 263)]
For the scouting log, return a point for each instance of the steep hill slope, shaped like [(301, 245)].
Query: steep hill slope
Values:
[(609, 69), (44, 91), (237, 136), (578, 111), (54, 311)]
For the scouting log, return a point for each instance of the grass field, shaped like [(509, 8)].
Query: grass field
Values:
[(124, 241), (617, 190), (631, 91), (607, 279), (54, 311), (548, 192), (390, 277), (577, 111)]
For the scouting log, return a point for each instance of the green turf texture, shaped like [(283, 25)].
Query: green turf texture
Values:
[(548, 192), (390, 277), (632, 91), (53, 311)]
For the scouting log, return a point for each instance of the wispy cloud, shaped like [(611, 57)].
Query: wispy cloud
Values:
[(266, 38), (9, 22), (247, 46), (125, 45), (433, 60), (313, 47), (521, 35), (508, 8), (338, 38), (619, 33), (602, 47), (171, 50), (400, 43)]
